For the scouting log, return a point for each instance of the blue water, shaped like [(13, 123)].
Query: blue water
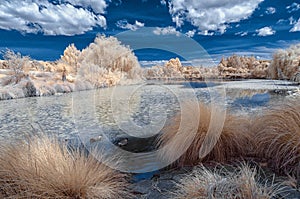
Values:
[(154, 14)]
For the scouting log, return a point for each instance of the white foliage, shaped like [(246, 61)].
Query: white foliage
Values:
[(285, 63), (106, 61)]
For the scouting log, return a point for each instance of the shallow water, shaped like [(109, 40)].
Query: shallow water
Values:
[(109, 115)]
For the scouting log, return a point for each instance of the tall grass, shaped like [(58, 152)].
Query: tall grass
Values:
[(44, 168), (243, 183), (277, 136), (234, 140), (285, 64)]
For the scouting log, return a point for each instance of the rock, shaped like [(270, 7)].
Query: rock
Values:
[(142, 187), (134, 144)]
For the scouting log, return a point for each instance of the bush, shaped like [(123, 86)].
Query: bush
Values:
[(285, 63), (104, 57), (17, 63), (71, 56)]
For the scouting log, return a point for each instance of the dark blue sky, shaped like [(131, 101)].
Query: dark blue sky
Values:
[(42, 29)]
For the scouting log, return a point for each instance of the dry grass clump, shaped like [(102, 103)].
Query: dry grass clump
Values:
[(286, 64), (277, 136), (230, 135), (244, 183), (44, 168)]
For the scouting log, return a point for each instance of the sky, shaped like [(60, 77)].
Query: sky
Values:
[(42, 29)]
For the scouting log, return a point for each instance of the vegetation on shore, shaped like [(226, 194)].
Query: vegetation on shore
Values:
[(243, 183), (43, 167)]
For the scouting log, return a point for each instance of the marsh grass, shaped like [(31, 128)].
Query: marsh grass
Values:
[(231, 141), (42, 167), (277, 136), (242, 183)]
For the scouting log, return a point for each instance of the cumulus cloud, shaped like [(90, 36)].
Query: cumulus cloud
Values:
[(296, 27), (123, 24), (166, 31), (206, 33), (265, 31), (68, 17), (293, 7), (270, 10), (211, 15), (190, 33)]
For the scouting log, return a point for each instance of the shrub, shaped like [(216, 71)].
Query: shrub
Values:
[(285, 63), (44, 168), (105, 56), (71, 56), (17, 63)]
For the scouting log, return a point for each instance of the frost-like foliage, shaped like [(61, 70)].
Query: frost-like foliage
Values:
[(71, 56), (18, 64), (106, 58), (242, 67), (286, 64)]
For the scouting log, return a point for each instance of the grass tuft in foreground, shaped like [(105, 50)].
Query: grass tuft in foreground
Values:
[(277, 137), (45, 168), (243, 183), (232, 140)]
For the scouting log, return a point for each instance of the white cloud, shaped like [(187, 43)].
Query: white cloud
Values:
[(166, 31), (281, 21), (292, 20), (125, 25), (65, 18), (163, 2), (242, 34), (296, 27), (265, 31), (206, 33), (270, 10), (190, 33), (294, 7), (211, 15), (98, 6)]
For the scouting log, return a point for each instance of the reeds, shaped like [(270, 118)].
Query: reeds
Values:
[(277, 136), (220, 138), (243, 183), (44, 168)]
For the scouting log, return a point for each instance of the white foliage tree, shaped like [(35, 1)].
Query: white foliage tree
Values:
[(107, 56), (285, 63)]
